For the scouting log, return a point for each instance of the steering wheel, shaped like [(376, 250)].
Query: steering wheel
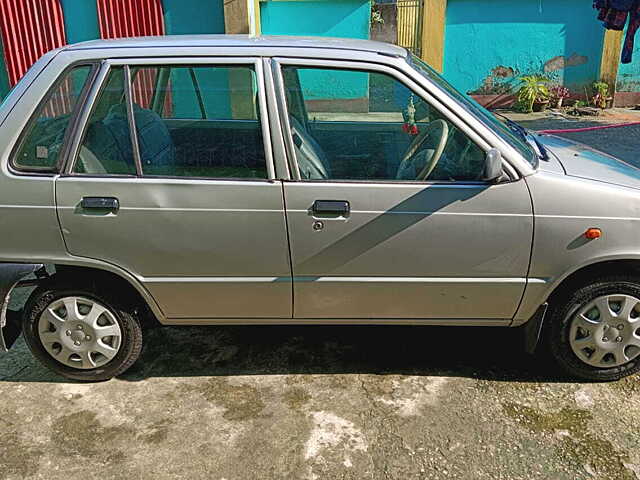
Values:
[(433, 129)]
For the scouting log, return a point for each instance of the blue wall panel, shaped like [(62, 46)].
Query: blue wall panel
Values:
[(80, 20), (4, 78), (629, 73), (341, 18), (184, 17), (193, 16), (489, 42)]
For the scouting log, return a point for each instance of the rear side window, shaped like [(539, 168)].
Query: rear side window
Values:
[(199, 121), (42, 143)]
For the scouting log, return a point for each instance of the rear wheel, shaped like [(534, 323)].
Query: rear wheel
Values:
[(594, 332), (81, 334)]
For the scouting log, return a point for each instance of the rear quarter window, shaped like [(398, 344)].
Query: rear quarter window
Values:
[(42, 141)]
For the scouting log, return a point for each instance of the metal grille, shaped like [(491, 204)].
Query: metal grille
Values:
[(410, 24), (130, 18), (29, 28)]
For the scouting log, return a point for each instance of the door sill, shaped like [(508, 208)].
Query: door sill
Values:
[(482, 322)]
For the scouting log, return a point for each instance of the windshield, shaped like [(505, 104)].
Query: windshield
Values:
[(481, 113)]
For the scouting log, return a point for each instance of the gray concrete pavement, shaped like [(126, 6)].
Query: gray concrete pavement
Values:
[(319, 403), (333, 402), (622, 142)]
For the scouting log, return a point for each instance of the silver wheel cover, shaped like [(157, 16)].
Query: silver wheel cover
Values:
[(605, 332), (79, 332)]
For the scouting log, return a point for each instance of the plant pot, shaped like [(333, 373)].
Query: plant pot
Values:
[(540, 105)]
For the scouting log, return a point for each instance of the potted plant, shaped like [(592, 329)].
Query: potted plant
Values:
[(533, 93), (557, 94), (601, 98)]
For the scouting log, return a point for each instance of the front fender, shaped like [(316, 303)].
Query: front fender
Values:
[(10, 275)]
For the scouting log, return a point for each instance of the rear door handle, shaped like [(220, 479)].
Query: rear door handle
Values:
[(100, 203), (331, 207)]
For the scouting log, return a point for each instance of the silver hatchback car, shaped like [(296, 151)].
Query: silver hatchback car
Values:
[(226, 180)]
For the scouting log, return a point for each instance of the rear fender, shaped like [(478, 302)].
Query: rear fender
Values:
[(11, 274)]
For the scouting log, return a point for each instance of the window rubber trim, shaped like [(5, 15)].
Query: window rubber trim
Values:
[(253, 63), (131, 120)]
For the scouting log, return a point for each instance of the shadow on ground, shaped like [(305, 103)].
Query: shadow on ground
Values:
[(490, 353)]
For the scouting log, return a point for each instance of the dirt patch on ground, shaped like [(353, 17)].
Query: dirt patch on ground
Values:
[(576, 443)]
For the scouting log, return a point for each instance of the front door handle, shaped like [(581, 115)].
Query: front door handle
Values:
[(100, 203), (331, 207)]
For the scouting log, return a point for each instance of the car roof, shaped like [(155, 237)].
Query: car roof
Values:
[(230, 41)]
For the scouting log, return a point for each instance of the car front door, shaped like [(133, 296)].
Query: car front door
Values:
[(376, 237), (172, 180)]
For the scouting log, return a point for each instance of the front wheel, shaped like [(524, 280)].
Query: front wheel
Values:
[(594, 332), (81, 334)]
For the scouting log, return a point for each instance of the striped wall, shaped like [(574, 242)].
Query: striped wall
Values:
[(29, 29), (32, 27)]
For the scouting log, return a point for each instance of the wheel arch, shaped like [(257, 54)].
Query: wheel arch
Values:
[(571, 281), (532, 327), (120, 279)]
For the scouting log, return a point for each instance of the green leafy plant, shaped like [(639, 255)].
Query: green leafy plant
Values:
[(376, 14), (601, 96), (533, 88)]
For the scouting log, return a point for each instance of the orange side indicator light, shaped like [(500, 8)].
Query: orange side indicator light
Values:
[(593, 233)]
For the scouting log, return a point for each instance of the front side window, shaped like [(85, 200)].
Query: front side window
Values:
[(190, 121), (361, 125), (41, 146)]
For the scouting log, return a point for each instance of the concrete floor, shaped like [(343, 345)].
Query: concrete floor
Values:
[(324, 403)]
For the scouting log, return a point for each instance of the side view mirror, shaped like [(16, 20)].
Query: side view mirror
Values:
[(492, 166)]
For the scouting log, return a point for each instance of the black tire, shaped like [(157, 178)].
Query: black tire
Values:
[(558, 323), (123, 310)]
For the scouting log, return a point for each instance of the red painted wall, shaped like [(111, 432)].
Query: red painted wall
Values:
[(130, 18), (29, 29)]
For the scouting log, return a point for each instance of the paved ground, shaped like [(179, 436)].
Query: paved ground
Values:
[(622, 142), (324, 403)]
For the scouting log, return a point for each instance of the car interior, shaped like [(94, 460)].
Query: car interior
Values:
[(372, 140), (204, 121), (196, 146)]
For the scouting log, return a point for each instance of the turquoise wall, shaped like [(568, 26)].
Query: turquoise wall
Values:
[(489, 42), (180, 17), (80, 20), (193, 16), (341, 18), (629, 73), (4, 78), (183, 17)]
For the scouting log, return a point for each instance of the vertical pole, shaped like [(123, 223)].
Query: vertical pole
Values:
[(241, 17), (433, 21), (611, 48)]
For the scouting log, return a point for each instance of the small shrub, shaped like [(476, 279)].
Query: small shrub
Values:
[(533, 88)]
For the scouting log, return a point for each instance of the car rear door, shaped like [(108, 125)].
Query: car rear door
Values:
[(181, 191), (367, 243)]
